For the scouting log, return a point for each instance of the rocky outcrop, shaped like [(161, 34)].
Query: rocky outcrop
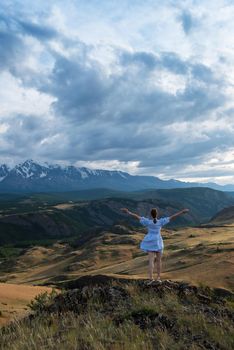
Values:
[(76, 300)]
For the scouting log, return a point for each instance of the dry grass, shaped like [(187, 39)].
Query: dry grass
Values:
[(198, 255), (14, 299), (95, 327)]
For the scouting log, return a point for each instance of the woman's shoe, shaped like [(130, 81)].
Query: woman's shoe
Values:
[(150, 282)]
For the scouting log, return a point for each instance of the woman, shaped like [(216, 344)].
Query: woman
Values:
[(153, 242)]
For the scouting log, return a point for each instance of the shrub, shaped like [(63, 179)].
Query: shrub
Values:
[(42, 300)]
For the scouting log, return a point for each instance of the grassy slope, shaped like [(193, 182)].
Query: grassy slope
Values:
[(194, 254), (128, 315)]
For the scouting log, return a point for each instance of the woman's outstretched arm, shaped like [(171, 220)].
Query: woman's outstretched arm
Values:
[(130, 213), (179, 213)]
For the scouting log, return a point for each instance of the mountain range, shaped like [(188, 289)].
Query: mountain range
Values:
[(31, 176)]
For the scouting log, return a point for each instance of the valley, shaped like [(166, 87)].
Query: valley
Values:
[(52, 239), (27, 218)]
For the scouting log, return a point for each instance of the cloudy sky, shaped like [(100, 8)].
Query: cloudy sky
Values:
[(143, 86)]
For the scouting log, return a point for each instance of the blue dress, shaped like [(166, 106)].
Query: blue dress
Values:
[(153, 240)]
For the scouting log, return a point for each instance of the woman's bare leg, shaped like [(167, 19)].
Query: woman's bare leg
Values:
[(158, 263), (151, 265)]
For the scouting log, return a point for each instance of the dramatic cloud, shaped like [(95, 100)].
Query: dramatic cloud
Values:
[(141, 87), (38, 31), (187, 21)]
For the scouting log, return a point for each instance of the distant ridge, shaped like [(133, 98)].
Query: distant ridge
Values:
[(41, 216), (31, 176), (224, 216)]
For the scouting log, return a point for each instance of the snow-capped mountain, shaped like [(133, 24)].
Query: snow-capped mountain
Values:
[(31, 176), (4, 171)]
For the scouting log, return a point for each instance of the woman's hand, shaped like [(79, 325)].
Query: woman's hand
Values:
[(179, 213), (125, 210)]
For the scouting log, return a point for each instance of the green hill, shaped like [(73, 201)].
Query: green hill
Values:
[(203, 202), (75, 220), (62, 215)]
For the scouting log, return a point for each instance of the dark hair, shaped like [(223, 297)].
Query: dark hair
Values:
[(154, 213)]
